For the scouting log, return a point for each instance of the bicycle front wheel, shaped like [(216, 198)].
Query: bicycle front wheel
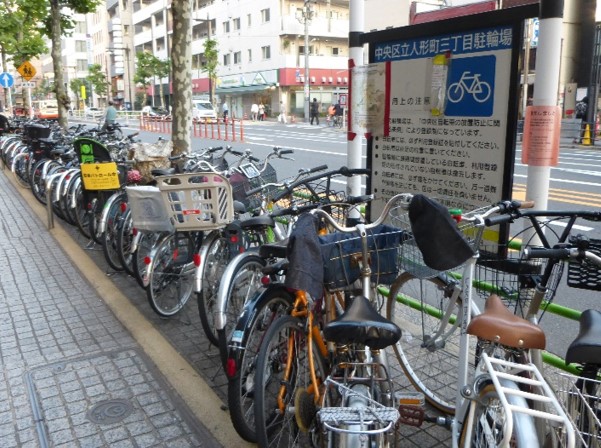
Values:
[(430, 364), (284, 396), (171, 274)]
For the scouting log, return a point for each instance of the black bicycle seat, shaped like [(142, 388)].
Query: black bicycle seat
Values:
[(586, 348), (258, 221), (274, 250), (362, 324)]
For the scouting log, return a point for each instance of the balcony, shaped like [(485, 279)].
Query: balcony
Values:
[(334, 28)]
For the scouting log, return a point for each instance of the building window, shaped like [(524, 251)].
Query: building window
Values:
[(81, 46), (266, 52), (226, 27), (250, 55), (226, 59), (236, 23), (335, 51), (301, 49), (265, 15), (238, 57), (249, 20), (82, 65)]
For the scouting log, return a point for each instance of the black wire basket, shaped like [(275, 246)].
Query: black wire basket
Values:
[(242, 183), (583, 274)]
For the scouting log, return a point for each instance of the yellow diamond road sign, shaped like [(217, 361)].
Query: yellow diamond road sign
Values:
[(26, 70)]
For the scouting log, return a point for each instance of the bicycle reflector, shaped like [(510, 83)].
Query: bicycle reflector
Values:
[(147, 260), (455, 214), (230, 367), (265, 280), (196, 259)]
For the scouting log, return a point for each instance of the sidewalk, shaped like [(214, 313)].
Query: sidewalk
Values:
[(72, 375)]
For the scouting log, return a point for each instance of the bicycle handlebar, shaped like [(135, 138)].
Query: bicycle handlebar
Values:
[(301, 173), (562, 253)]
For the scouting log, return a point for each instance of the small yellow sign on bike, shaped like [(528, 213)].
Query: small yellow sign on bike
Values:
[(26, 70), (100, 176)]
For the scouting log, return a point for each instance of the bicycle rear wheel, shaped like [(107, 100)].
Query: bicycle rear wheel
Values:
[(171, 274), (283, 369), (431, 367)]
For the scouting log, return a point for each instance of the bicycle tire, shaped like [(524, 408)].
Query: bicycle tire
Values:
[(81, 213), (489, 417), (274, 302), (38, 184), (146, 244), (124, 242), (171, 274), (244, 284), (56, 208), (430, 370), (94, 212), (275, 429), (216, 259), (109, 237), (20, 170)]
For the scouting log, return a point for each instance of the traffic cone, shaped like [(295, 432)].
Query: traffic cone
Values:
[(586, 138)]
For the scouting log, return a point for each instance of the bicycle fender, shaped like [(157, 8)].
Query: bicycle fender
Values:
[(105, 211), (224, 286), (204, 249)]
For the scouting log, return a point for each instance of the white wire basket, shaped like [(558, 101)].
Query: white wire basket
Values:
[(197, 201), (580, 398)]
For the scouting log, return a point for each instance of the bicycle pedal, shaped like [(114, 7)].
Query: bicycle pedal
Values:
[(411, 415)]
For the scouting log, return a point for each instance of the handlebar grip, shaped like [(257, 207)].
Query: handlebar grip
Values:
[(318, 168), (253, 159), (535, 252), (348, 172), (236, 153), (497, 219), (352, 200), (527, 204), (286, 151), (216, 148), (254, 191)]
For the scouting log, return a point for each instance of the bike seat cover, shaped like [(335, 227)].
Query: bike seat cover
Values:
[(498, 324), (362, 324), (586, 348), (441, 243)]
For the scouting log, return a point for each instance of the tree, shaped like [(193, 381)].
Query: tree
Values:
[(98, 79), (58, 24), (212, 61), (75, 85), (144, 72), (160, 69), (181, 69)]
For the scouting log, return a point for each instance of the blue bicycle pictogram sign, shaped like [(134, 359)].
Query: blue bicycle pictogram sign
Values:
[(470, 87)]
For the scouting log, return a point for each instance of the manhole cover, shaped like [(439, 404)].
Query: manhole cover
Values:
[(109, 411)]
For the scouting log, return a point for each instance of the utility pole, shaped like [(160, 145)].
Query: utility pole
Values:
[(306, 18)]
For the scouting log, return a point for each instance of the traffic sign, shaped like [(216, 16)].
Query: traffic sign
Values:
[(28, 84), (6, 80), (26, 70)]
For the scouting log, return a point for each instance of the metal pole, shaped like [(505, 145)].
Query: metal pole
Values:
[(307, 19), (548, 55), (210, 74)]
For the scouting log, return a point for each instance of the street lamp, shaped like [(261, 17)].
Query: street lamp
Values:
[(306, 17), (208, 71)]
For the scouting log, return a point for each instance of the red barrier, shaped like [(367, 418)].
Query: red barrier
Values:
[(233, 130)]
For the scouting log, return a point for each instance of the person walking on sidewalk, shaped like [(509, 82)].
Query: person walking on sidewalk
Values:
[(225, 109), (315, 111), (254, 111), (282, 116), (261, 112)]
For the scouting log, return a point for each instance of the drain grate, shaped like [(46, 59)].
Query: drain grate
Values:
[(108, 412), (114, 398)]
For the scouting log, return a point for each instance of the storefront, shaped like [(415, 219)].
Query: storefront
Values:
[(242, 90)]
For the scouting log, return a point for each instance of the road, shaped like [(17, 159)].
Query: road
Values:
[(575, 184)]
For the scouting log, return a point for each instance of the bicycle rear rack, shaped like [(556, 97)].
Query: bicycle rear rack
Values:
[(544, 404)]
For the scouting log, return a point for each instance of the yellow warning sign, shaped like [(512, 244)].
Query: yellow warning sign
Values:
[(26, 70), (100, 176)]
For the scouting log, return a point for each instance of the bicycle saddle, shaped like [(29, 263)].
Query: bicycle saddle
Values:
[(586, 348), (162, 172), (498, 324), (362, 324), (274, 250), (261, 220)]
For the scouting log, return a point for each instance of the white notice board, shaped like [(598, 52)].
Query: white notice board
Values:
[(442, 102)]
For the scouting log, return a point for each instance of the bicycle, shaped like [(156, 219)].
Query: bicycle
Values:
[(449, 323), (333, 388)]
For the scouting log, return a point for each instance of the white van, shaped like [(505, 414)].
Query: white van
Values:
[(202, 110)]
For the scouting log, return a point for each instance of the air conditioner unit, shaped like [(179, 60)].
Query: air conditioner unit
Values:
[(323, 79), (331, 79), (346, 80), (312, 78), (339, 80)]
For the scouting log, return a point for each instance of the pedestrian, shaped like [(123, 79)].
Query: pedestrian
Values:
[(110, 116), (226, 110), (315, 111), (282, 116), (261, 112), (254, 111)]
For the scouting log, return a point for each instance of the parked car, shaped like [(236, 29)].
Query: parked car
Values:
[(94, 112), (203, 110)]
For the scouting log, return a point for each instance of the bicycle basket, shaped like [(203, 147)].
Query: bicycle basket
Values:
[(148, 209), (583, 274), (241, 183), (581, 401), (341, 251), (197, 201)]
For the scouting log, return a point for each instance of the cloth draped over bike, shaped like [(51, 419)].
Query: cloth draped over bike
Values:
[(305, 270), (441, 243)]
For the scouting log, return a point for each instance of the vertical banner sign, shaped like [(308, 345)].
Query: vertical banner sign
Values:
[(541, 135), (446, 105)]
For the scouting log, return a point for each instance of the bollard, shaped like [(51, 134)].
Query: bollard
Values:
[(241, 131), (218, 130), (233, 130), (225, 130), (586, 138)]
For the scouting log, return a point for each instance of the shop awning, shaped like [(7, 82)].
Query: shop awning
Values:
[(244, 89)]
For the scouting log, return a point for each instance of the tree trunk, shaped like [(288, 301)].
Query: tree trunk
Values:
[(181, 68), (59, 87)]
